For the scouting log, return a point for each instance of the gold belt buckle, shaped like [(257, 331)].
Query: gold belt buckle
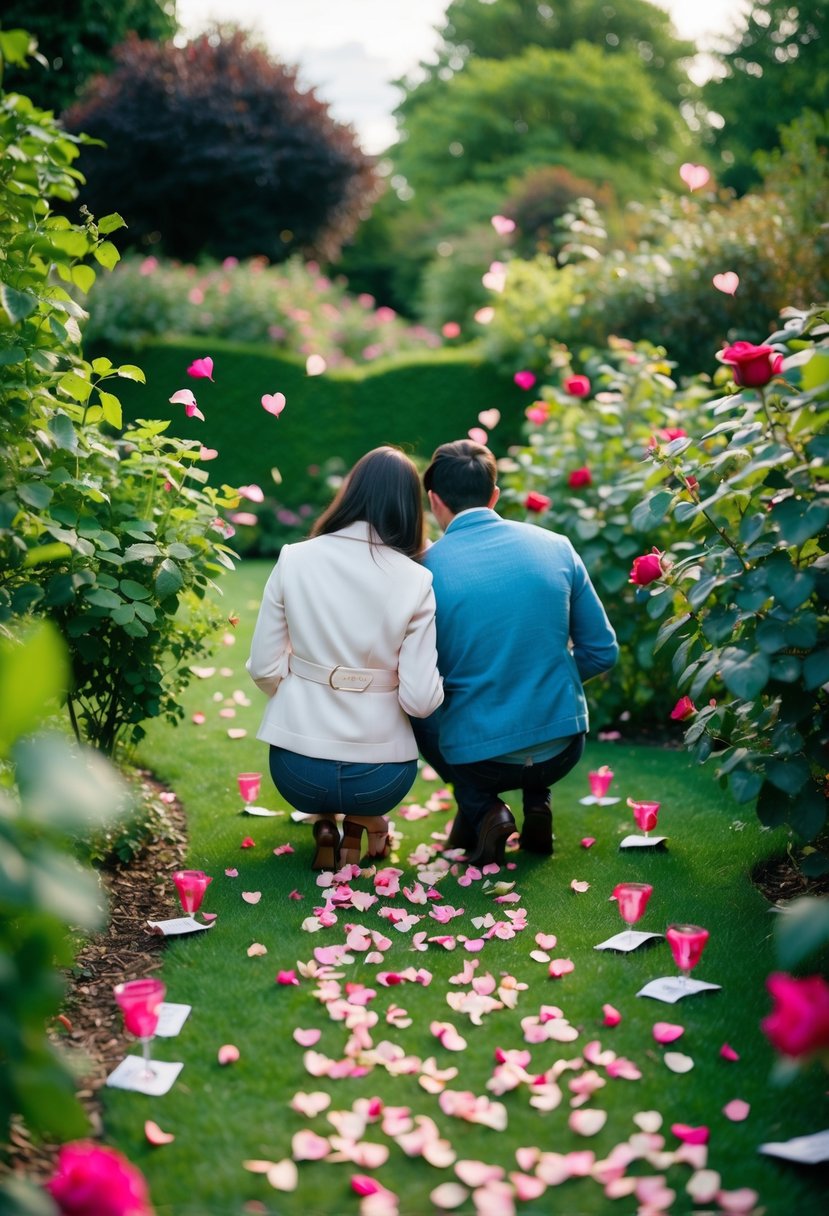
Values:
[(353, 683)]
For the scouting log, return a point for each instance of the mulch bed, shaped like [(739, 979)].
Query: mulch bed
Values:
[(91, 1028)]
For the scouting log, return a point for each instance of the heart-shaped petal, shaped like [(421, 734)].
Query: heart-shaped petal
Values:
[(274, 403), (308, 1146), (251, 897), (256, 950), (502, 224), (560, 967), (201, 369), (283, 1176), (648, 1120), (527, 1187), (477, 435), (489, 419), (694, 176), (727, 283), (310, 1104), (547, 941), (307, 1038), (587, 1121), (690, 1135), (478, 1173)]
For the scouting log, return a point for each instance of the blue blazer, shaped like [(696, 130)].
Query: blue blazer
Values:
[(519, 628)]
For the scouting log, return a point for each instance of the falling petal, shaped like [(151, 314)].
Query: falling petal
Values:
[(694, 176), (201, 369), (478, 435), (727, 283), (489, 419), (274, 403), (315, 365), (184, 397)]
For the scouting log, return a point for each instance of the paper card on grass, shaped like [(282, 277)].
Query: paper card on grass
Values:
[(131, 1073), (642, 842), (810, 1150), (261, 811), (626, 940), (300, 817), (670, 988), (592, 800), (177, 926), (171, 1018)]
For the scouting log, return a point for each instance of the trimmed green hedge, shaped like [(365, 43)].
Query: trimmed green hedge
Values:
[(417, 403)]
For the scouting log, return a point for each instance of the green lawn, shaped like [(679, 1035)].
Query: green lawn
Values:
[(224, 1116)]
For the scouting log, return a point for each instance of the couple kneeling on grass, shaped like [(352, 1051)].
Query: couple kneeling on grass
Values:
[(372, 645)]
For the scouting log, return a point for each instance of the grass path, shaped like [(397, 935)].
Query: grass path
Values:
[(224, 1116)]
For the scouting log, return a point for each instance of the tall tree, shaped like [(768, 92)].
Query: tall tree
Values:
[(76, 39), (212, 148), (776, 67)]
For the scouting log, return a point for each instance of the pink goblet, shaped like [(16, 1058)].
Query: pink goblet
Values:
[(600, 781), (139, 1001), (191, 886), (249, 785), (646, 814), (632, 900), (687, 943)]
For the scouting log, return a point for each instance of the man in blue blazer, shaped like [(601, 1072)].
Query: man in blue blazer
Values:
[(520, 628)]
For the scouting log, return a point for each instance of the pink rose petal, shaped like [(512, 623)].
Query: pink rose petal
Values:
[(587, 842), (678, 1062), (308, 1146), (586, 1121), (744, 1200), (667, 1032), (227, 1054), (694, 176), (547, 941), (251, 897), (579, 885), (736, 1110), (478, 1173), (236, 732), (256, 950), (649, 1121), (727, 283), (728, 1053), (283, 1176), (199, 718), (448, 1195), (527, 1187), (232, 873), (703, 1186), (274, 403), (310, 1104), (155, 1135), (560, 967), (612, 1017), (477, 435), (201, 369), (690, 1135)]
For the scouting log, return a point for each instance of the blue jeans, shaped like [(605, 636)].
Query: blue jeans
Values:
[(478, 785), (336, 787)]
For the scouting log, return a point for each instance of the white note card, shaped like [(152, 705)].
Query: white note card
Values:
[(171, 1018), (642, 842), (626, 940), (810, 1150), (672, 988), (132, 1073), (178, 925), (592, 800), (262, 811)]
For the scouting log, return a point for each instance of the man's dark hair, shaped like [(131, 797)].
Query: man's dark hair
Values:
[(382, 489), (462, 474)]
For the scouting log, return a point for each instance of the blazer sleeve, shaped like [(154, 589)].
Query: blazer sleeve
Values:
[(270, 648), (421, 687), (595, 648)]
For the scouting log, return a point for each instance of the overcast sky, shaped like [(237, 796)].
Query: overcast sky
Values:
[(351, 50)]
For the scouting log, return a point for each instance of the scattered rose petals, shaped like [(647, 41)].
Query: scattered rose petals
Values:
[(308, 1146), (227, 1054), (677, 1062), (667, 1032), (251, 897), (256, 950), (612, 1017), (478, 1173), (736, 1110), (155, 1135), (448, 1195), (728, 1053)]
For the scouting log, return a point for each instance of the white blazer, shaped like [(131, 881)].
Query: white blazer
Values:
[(339, 601)]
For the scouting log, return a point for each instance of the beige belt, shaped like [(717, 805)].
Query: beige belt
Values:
[(345, 679)]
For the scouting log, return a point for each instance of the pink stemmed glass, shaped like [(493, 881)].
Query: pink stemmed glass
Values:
[(249, 785), (646, 814), (632, 900), (687, 943), (191, 886), (139, 1001), (600, 781)]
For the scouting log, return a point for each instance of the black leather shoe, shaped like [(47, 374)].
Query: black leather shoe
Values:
[(496, 829), (462, 835), (327, 840), (537, 831)]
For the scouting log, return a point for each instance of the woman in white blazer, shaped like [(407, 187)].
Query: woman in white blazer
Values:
[(344, 648)]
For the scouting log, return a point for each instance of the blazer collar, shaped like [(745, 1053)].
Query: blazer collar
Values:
[(476, 517)]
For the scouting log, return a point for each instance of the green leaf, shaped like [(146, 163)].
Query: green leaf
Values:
[(745, 673), (112, 408), (809, 814), (63, 432), (33, 672), (111, 223), (106, 254), (128, 371), (719, 623), (802, 928), (123, 614), (168, 579), (788, 775), (75, 387), (101, 598), (667, 630), (799, 520), (46, 553), (180, 550), (133, 590), (35, 494), (771, 807), (140, 552), (816, 372), (83, 277), (785, 668), (647, 514), (16, 46), (814, 865), (744, 784), (18, 305), (12, 354), (101, 366), (145, 612), (816, 669)]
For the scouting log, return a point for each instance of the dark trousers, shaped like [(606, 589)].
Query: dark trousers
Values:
[(478, 785)]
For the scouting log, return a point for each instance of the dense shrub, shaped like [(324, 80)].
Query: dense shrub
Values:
[(292, 308), (212, 148)]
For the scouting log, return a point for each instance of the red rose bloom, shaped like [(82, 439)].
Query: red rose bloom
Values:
[(537, 502), (684, 708), (580, 477), (799, 1023), (647, 568), (753, 365), (577, 386), (92, 1179)]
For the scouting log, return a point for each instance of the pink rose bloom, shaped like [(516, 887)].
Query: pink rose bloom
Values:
[(92, 1179), (684, 708), (525, 379), (798, 1025), (753, 365), (537, 413), (577, 386), (537, 502), (647, 568), (451, 330), (580, 477), (666, 435)]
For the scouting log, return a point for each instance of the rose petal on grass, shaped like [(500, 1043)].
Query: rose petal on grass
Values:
[(579, 886), (587, 1121), (527, 1187), (648, 1121), (199, 718), (478, 1173), (236, 732), (587, 842), (539, 956), (667, 1032), (282, 850), (308, 1146), (310, 1104), (547, 941), (155, 1135), (677, 1062), (232, 873), (283, 1175), (248, 843), (209, 915), (703, 1186), (743, 1200), (251, 897), (728, 1053), (560, 967), (448, 1195), (256, 950), (690, 1135), (612, 1017), (227, 1054), (286, 977), (307, 1038), (736, 1110)]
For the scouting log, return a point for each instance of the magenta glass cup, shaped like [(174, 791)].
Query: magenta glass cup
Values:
[(249, 785), (646, 814), (687, 943), (191, 886), (632, 900), (139, 1002), (600, 781)]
